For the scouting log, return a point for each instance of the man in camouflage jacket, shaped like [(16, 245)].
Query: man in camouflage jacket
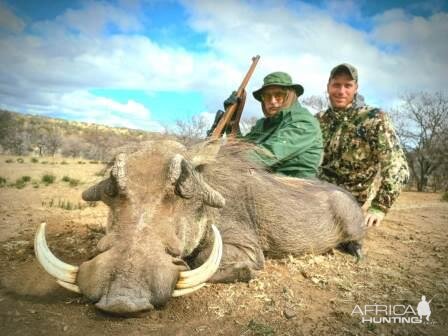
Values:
[(362, 152)]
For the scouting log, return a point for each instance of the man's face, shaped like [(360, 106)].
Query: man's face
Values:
[(273, 98), (341, 89)]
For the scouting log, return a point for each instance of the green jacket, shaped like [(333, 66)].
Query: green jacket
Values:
[(293, 141), (360, 143)]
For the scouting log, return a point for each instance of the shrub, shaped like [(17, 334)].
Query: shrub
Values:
[(48, 179), (81, 162), (260, 329), (20, 160), (2, 182), (44, 162), (20, 183), (34, 160), (66, 205), (445, 196), (9, 161), (26, 178), (74, 182), (64, 162)]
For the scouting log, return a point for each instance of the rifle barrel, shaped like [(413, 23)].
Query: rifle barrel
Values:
[(232, 108)]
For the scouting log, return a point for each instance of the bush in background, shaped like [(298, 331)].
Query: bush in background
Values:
[(72, 182), (48, 179), (445, 196), (20, 183)]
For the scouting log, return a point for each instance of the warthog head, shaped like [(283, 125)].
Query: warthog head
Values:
[(160, 210)]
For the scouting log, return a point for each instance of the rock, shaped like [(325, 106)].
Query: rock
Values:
[(289, 313), (318, 259), (305, 274)]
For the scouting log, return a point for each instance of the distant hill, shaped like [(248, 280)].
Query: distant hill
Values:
[(24, 134)]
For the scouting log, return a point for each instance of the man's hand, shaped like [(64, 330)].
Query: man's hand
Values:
[(232, 99), (373, 217), (219, 114)]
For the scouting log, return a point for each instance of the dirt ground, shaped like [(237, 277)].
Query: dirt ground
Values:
[(405, 258)]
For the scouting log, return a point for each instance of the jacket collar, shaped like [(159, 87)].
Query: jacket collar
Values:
[(348, 112)]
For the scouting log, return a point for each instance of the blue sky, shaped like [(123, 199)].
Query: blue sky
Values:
[(147, 63)]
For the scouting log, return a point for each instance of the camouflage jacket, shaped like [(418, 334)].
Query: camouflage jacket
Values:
[(360, 145)]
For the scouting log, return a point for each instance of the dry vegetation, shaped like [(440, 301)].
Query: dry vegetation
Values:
[(23, 134)]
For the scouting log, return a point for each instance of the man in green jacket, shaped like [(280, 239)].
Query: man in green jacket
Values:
[(289, 133), (360, 147)]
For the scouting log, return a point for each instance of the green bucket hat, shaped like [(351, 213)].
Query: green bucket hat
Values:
[(345, 67), (278, 79)]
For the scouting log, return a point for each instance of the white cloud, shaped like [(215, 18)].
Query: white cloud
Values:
[(308, 42), (82, 105), (106, 111), (56, 62), (94, 18)]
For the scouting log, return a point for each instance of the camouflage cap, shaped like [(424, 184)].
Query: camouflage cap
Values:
[(278, 79), (345, 67)]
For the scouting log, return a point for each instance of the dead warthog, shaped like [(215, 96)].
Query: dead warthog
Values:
[(180, 217)]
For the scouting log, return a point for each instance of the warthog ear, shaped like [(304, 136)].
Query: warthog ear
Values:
[(111, 186), (189, 182), (94, 193)]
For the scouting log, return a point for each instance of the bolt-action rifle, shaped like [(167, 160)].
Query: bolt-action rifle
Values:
[(233, 112)]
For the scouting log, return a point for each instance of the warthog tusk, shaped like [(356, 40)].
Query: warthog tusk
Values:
[(194, 278), (60, 270), (69, 286), (185, 291)]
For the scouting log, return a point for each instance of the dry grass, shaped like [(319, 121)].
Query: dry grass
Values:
[(53, 166)]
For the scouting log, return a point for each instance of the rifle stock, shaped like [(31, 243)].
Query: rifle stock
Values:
[(235, 108)]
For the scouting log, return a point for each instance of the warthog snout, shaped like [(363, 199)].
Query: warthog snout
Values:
[(126, 280)]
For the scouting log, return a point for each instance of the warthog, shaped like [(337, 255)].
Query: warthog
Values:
[(180, 217)]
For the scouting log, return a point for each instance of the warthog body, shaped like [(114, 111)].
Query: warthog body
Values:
[(163, 199)]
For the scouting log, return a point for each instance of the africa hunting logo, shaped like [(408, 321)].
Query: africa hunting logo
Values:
[(399, 313)]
